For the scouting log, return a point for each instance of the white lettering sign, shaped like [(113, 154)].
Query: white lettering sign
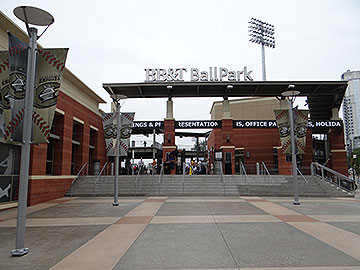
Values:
[(213, 74)]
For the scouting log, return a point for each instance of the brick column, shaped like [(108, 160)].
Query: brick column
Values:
[(227, 142), (169, 139), (338, 155), (284, 167), (38, 159)]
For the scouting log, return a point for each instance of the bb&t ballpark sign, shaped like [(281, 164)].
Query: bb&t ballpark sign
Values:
[(212, 74)]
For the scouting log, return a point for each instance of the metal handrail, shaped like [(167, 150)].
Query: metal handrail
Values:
[(76, 177), (266, 171), (307, 182), (338, 177), (183, 179), (246, 176), (98, 177), (223, 178), (160, 177), (137, 179)]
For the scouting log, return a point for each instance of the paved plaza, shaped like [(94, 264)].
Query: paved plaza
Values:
[(215, 233)]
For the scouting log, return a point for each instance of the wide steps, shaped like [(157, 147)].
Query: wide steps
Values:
[(207, 185)]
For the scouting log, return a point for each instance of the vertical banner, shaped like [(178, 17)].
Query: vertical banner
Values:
[(107, 119), (109, 124), (126, 122), (18, 54), (4, 91), (50, 67), (301, 122), (282, 121)]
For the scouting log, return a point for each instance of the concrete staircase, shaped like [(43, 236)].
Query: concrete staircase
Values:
[(205, 185)]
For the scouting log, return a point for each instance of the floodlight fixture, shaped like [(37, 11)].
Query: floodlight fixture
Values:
[(262, 33)]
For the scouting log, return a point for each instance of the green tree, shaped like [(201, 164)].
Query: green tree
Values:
[(355, 160)]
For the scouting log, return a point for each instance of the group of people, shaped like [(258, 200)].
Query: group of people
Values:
[(149, 168)]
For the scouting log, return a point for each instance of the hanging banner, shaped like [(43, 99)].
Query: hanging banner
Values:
[(4, 92), (301, 123), (126, 123), (18, 55), (50, 68), (108, 124), (282, 120)]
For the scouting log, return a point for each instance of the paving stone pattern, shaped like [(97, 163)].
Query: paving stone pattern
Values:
[(188, 233)]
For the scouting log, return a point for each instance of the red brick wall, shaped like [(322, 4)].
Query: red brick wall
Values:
[(259, 143), (42, 190), (338, 155), (169, 133), (47, 189)]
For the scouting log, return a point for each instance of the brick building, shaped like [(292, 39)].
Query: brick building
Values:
[(76, 140), (234, 144)]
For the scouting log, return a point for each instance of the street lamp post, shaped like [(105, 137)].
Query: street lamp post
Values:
[(35, 16), (262, 33), (116, 99), (291, 95), (116, 180)]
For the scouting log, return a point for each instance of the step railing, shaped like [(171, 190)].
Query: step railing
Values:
[(76, 177), (223, 180), (97, 180), (243, 172), (136, 182), (160, 177), (183, 178), (333, 177), (306, 181), (267, 176)]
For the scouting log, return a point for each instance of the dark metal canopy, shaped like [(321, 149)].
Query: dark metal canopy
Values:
[(322, 95)]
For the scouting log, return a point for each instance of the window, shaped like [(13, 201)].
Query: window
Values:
[(50, 156)]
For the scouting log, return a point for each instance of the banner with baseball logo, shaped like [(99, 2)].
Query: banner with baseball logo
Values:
[(109, 124), (283, 123), (301, 123), (18, 56), (4, 91), (49, 70), (126, 122)]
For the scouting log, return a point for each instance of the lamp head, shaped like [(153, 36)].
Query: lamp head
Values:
[(33, 15)]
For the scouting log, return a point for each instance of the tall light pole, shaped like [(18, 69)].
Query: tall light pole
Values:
[(291, 95), (35, 16), (262, 33), (116, 99)]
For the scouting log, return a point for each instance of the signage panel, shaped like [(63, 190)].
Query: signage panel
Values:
[(272, 124), (212, 74), (148, 124), (199, 124)]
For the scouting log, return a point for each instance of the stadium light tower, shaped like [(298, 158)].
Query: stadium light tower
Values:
[(262, 33)]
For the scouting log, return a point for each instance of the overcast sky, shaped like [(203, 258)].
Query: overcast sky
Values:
[(114, 41)]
